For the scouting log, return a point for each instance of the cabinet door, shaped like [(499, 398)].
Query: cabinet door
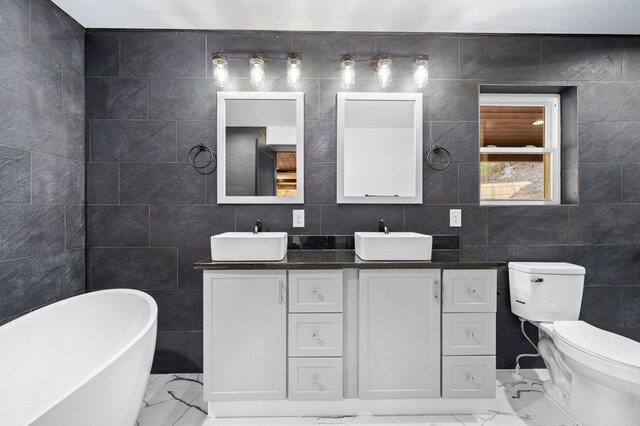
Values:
[(245, 335), (399, 327)]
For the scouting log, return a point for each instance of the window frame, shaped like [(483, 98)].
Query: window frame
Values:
[(551, 104)]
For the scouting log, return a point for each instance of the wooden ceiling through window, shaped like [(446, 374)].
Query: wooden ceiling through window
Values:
[(511, 126)]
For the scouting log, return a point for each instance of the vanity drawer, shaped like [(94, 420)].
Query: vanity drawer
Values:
[(468, 377), (469, 290), (315, 379), (315, 291), (315, 335), (469, 334)]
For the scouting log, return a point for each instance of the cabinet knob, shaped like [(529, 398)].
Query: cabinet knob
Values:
[(316, 291), (316, 379), (470, 334), (471, 290), (316, 335), (471, 379)]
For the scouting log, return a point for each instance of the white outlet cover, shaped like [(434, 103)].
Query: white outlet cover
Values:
[(455, 218), (298, 218)]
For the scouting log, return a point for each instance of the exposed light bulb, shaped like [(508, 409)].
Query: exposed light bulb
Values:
[(348, 66), (294, 69), (421, 72), (384, 72), (538, 123), (257, 65), (220, 70)]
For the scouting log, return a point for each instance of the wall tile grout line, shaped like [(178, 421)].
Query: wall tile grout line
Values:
[(36, 256), (30, 177)]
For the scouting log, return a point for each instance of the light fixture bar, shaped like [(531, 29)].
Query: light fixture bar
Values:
[(381, 64), (258, 63)]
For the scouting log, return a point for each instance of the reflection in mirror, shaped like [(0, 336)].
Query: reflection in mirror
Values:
[(262, 147), (257, 168)]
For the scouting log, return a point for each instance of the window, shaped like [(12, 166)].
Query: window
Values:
[(519, 149)]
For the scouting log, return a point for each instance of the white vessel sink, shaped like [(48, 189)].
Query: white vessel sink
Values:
[(243, 246), (393, 246)]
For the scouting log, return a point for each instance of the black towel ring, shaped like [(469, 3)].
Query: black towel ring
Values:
[(212, 159), (437, 149)]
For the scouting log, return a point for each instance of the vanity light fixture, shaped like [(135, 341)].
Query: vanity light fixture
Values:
[(258, 64), (294, 68), (421, 71), (257, 67), (348, 67), (381, 64), (220, 69)]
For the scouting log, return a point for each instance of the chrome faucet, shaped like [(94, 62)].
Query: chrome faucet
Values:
[(382, 227), (258, 227)]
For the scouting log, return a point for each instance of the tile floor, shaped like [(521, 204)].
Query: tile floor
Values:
[(176, 400)]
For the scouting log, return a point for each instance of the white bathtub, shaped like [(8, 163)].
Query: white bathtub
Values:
[(83, 361)]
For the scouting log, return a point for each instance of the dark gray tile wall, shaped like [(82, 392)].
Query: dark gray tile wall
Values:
[(42, 157), (151, 98)]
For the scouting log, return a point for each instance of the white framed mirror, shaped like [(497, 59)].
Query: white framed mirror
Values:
[(260, 147), (379, 148)]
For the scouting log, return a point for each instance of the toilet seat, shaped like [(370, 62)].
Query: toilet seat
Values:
[(601, 350)]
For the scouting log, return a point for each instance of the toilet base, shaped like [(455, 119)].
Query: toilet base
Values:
[(590, 397)]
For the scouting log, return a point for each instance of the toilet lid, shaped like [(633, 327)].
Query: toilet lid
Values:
[(554, 268), (599, 343)]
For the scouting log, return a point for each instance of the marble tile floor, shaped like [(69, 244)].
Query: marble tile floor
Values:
[(176, 400)]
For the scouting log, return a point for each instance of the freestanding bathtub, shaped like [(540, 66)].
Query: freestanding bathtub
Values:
[(82, 361)]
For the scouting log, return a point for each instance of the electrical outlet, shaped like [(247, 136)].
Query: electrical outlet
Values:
[(298, 218), (455, 218)]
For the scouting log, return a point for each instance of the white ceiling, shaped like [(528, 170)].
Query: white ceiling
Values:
[(452, 16)]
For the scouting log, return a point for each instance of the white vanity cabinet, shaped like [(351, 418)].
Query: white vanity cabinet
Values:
[(338, 342), (399, 330), (245, 335)]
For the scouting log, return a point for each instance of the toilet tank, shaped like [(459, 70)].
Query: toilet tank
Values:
[(546, 291)]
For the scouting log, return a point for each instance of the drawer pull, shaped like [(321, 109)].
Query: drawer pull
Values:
[(471, 291), (316, 379), (470, 334), (316, 335), (471, 379), (316, 291)]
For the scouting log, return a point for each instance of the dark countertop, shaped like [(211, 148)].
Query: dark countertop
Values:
[(345, 259)]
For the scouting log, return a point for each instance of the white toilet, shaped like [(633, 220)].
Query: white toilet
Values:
[(595, 374)]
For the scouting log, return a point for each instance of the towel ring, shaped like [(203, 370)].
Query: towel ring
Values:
[(437, 149), (212, 158)]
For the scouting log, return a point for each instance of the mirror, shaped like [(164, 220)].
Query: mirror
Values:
[(379, 148), (260, 148)]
